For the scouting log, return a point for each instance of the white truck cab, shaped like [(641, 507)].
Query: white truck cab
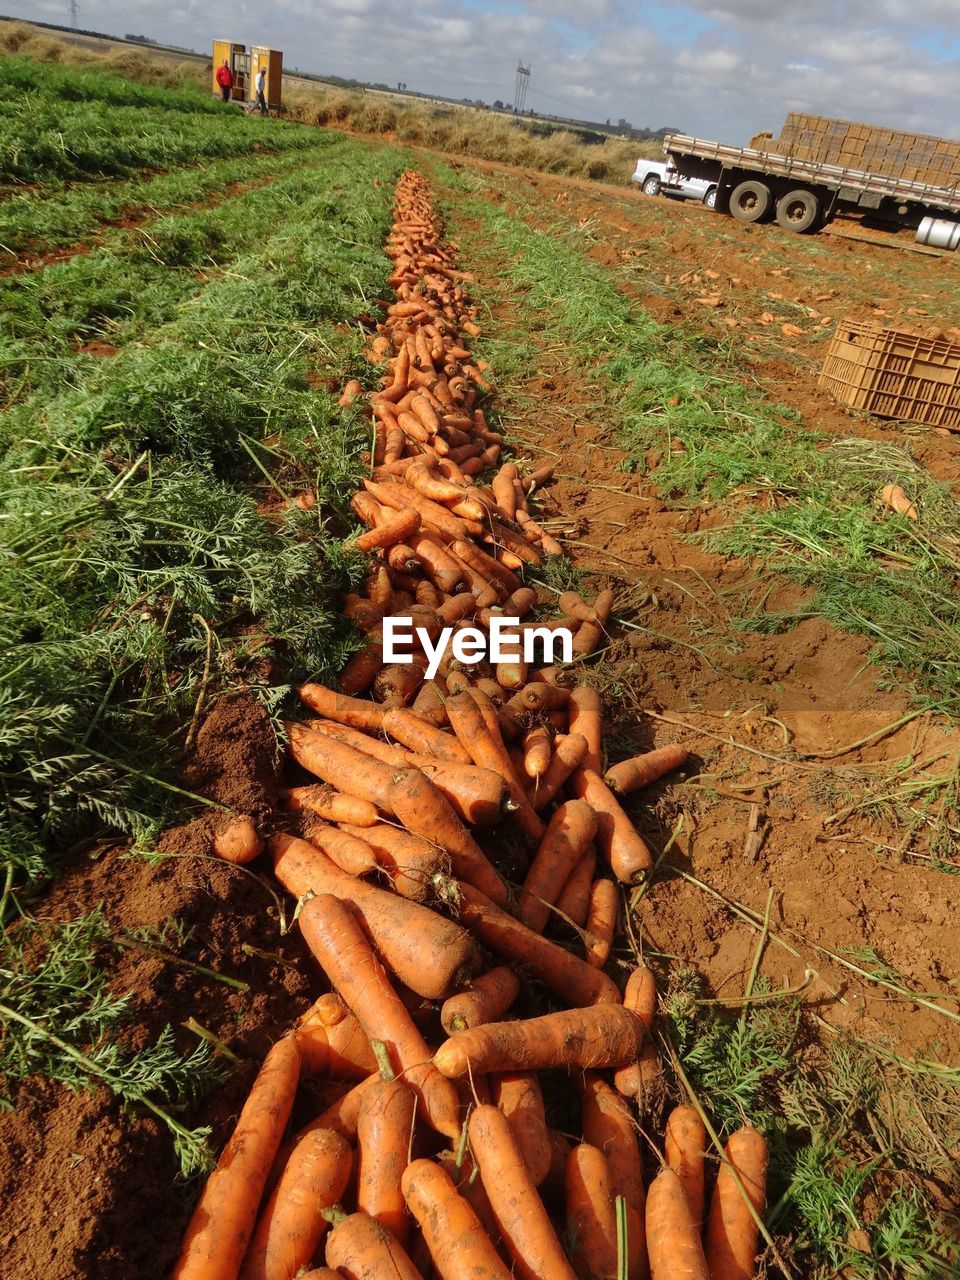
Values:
[(656, 177)]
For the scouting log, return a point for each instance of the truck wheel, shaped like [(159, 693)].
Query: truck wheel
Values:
[(750, 201), (710, 199), (798, 210), (651, 185)]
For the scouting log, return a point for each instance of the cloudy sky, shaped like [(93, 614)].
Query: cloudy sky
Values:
[(718, 68)]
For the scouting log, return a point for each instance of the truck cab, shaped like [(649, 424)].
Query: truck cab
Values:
[(656, 177)]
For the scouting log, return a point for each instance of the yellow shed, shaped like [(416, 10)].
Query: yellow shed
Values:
[(238, 62), (272, 61)]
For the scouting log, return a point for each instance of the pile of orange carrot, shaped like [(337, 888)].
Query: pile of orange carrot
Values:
[(434, 834)]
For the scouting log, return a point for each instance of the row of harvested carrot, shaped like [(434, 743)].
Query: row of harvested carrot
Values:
[(439, 1160)]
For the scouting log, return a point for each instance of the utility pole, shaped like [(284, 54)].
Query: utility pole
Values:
[(74, 15), (520, 89)]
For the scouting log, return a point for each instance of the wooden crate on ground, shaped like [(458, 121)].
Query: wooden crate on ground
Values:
[(894, 374)]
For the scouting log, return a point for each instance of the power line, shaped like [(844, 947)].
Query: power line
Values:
[(521, 87), (74, 15)]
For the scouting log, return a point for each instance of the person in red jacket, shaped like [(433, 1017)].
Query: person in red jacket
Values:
[(225, 80)]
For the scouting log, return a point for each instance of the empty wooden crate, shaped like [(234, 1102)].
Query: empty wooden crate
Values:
[(894, 374)]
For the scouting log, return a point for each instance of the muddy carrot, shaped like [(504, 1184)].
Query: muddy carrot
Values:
[(617, 838), (589, 634), (337, 941), (487, 999), (226, 1212), (332, 1042), (673, 1241), (640, 771), (443, 569), (608, 1125), (428, 953), (569, 752), (574, 899), (425, 811), (601, 921), (585, 711), (342, 766), (732, 1235), (428, 704), (468, 723), (460, 1247), (395, 528), (414, 866), (605, 1035), (567, 976), (351, 853), (640, 1079), (565, 841), (524, 1225), (415, 734), (574, 606), (683, 1146), (361, 670), (591, 1214), (361, 1248), (478, 795), (384, 1134), (518, 1095), (388, 753), (292, 1224), (238, 841), (334, 806), (537, 751)]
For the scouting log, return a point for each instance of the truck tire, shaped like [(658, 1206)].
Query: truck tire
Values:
[(750, 201), (799, 211), (710, 199), (651, 185)]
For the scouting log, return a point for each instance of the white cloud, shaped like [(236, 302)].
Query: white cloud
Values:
[(744, 65)]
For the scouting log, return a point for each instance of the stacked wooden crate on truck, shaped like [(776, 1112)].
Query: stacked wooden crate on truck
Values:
[(912, 157)]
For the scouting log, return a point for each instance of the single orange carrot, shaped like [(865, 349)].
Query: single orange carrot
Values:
[(585, 712), (574, 899), (342, 766), (384, 1135), (292, 1224), (569, 752), (524, 1225), (640, 771), (428, 704), (684, 1144), (518, 1095), (467, 721), (366, 744), (419, 736), (487, 999), (397, 527), (673, 1241), (460, 1247), (604, 1035), (351, 853), (567, 837), (332, 1042), (426, 812), (609, 1126), (732, 1235), (354, 712), (337, 941), (537, 751), (226, 1213), (479, 796), (590, 634), (591, 1214), (326, 802), (617, 839), (602, 921), (361, 1248), (640, 1079), (238, 841), (428, 953), (565, 974)]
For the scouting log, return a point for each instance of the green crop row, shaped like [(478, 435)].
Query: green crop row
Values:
[(49, 129), (128, 527)]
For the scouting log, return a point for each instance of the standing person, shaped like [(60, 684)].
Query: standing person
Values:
[(225, 80), (261, 87)]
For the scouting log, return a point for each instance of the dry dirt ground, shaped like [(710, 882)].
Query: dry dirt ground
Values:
[(768, 721)]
